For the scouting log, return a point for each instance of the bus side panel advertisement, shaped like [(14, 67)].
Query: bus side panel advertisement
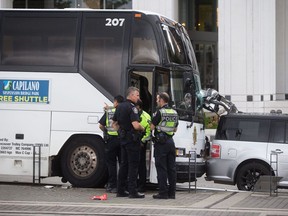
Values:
[(24, 91)]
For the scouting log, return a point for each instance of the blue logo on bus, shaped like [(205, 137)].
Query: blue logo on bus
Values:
[(24, 91), (7, 85)]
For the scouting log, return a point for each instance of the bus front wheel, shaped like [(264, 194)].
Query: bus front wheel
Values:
[(83, 162)]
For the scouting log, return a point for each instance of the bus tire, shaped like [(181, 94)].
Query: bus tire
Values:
[(83, 163)]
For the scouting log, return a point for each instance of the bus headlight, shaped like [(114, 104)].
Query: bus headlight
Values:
[(180, 152)]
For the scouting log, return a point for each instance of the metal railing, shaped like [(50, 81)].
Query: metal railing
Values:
[(36, 164)]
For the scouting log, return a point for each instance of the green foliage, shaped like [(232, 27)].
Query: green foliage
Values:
[(211, 120)]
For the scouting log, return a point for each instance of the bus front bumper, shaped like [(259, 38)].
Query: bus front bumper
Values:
[(184, 168)]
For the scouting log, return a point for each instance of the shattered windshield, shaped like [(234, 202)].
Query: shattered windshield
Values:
[(180, 49), (175, 46), (188, 103), (189, 49)]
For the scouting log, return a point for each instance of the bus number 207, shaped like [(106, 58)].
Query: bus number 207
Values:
[(114, 21)]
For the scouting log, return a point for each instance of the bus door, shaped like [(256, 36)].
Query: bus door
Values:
[(142, 79), (146, 80), (149, 84), (161, 83)]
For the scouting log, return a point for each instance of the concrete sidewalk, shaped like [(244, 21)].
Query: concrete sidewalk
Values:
[(60, 200)]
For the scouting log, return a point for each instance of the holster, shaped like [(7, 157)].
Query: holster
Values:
[(161, 138), (136, 136), (122, 133), (133, 136)]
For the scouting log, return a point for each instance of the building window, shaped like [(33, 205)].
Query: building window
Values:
[(200, 19), (206, 55), (205, 15), (198, 15), (94, 4)]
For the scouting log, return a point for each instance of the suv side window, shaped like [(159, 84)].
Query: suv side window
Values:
[(277, 132), (255, 130), (227, 129)]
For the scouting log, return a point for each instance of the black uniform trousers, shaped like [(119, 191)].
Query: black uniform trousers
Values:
[(113, 155), (128, 171), (165, 157), (142, 169)]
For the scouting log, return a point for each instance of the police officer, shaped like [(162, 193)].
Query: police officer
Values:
[(126, 121), (112, 147), (145, 120), (164, 123)]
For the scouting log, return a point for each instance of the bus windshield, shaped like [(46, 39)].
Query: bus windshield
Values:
[(179, 46), (180, 51), (176, 52), (189, 49)]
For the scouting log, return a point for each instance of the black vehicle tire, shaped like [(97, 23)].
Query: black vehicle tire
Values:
[(83, 162), (249, 174)]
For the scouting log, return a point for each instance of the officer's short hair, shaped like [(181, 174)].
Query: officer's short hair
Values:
[(164, 96), (130, 90), (119, 98)]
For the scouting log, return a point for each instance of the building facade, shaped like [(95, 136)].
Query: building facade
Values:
[(252, 51), (241, 46), (40, 4)]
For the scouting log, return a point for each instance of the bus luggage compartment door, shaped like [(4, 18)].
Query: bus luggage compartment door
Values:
[(19, 132)]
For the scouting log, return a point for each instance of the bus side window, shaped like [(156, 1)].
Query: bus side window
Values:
[(51, 41)]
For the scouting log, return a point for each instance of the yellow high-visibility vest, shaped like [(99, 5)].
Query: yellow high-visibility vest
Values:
[(169, 121), (109, 115)]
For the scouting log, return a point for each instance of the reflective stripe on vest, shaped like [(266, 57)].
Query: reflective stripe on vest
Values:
[(109, 121), (169, 120)]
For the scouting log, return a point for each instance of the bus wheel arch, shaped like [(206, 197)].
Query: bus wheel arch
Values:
[(82, 161)]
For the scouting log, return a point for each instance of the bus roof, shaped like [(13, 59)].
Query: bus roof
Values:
[(83, 9), (92, 10)]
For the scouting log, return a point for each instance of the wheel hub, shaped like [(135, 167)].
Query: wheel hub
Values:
[(83, 161)]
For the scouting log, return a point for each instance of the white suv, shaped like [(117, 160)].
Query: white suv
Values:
[(242, 148)]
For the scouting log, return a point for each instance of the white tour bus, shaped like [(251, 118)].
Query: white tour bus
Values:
[(59, 67)]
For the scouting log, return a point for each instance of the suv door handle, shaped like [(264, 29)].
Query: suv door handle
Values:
[(277, 151)]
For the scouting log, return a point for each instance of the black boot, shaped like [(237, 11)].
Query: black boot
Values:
[(159, 196), (123, 194), (137, 195)]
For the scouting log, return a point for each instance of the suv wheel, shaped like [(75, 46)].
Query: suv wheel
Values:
[(249, 174)]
